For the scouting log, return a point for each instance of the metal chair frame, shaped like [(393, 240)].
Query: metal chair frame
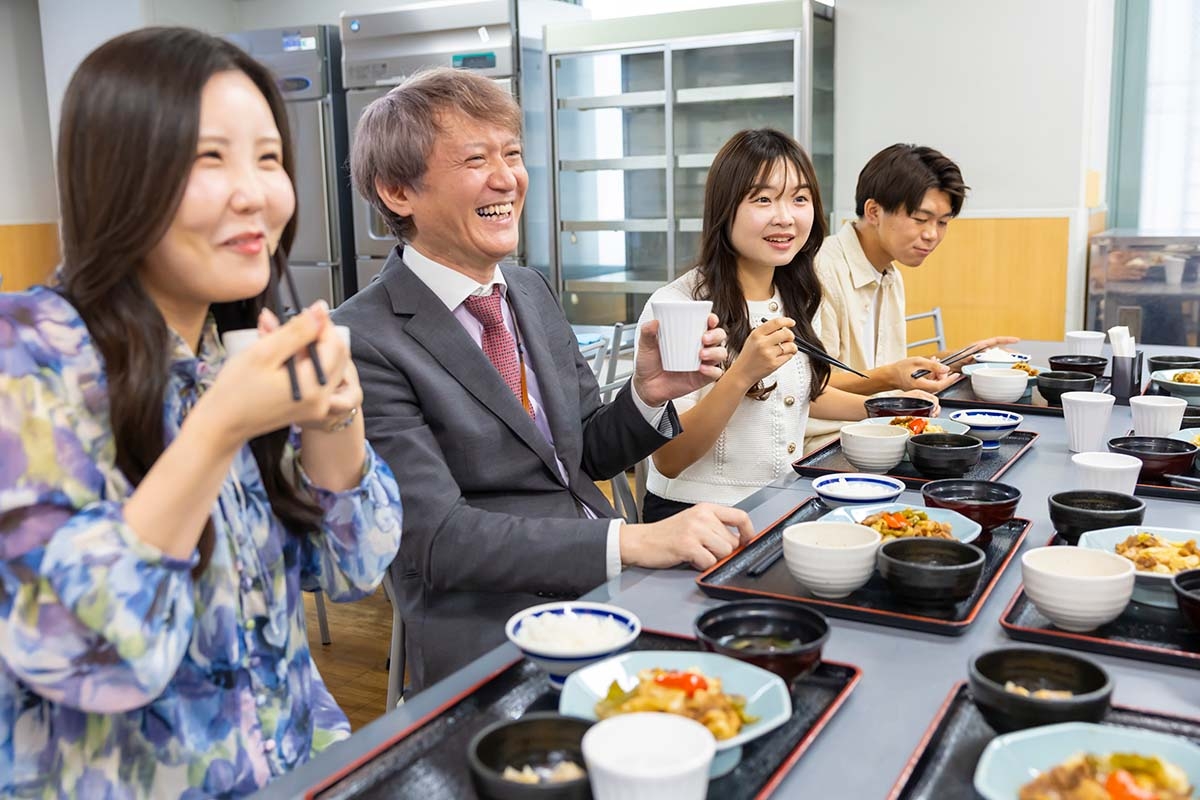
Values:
[(939, 332)]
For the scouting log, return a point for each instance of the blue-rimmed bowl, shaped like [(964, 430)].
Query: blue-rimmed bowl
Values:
[(963, 529), (1012, 760), (767, 696), (990, 425), (559, 662), (1149, 588), (856, 489)]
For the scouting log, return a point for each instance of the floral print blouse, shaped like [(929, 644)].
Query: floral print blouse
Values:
[(121, 675)]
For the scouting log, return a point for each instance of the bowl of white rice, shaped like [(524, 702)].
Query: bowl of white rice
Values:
[(562, 637)]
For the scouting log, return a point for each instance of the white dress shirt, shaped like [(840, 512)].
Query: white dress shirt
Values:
[(453, 288)]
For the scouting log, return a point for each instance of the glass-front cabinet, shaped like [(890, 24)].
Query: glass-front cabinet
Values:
[(1148, 281), (635, 129)]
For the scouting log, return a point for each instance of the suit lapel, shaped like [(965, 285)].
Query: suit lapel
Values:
[(433, 326), (537, 347)]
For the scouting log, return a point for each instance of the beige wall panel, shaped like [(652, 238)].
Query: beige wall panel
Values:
[(28, 254)]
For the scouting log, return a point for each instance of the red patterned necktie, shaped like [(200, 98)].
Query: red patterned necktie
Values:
[(498, 344)]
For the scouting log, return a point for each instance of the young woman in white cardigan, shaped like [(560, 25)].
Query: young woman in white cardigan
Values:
[(763, 225)]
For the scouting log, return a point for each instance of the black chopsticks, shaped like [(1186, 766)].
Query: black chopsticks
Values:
[(284, 316), (765, 561), (821, 355), (953, 357)]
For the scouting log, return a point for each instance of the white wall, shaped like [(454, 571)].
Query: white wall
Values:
[(26, 171), (1000, 87), (254, 14)]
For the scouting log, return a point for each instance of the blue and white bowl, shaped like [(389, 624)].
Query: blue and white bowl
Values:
[(856, 489), (1012, 760), (560, 661), (989, 425)]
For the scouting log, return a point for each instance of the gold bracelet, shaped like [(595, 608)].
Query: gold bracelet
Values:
[(342, 424)]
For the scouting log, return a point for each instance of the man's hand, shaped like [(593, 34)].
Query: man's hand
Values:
[(656, 386), (699, 536), (900, 374), (980, 346)]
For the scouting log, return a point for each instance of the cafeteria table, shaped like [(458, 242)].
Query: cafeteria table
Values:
[(906, 675)]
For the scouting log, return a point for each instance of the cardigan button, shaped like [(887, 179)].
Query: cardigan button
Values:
[(789, 401), (773, 306), (791, 448)]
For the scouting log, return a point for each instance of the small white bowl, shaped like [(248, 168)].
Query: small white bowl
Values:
[(874, 448), (831, 559), (648, 755), (999, 385), (989, 425), (1075, 588), (856, 489), (559, 662)]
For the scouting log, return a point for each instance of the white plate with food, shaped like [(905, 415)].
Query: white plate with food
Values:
[(998, 355), (898, 520), (1157, 553), (1183, 383), (738, 702), (1190, 435), (1049, 761)]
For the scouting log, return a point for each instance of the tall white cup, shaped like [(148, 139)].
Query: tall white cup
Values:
[(648, 756), (1086, 415), (681, 326), (1085, 343), (1110, 472), (1156, 416), (238, 340), (1173, 269)]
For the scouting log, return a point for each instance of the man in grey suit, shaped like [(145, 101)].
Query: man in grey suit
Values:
[(477, 395)]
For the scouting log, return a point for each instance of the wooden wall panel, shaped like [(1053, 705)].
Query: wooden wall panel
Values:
[(28, 254), (994, 277)]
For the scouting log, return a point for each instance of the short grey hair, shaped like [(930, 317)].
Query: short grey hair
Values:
[(396, 133)]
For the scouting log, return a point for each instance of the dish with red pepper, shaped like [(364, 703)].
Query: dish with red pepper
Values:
[(687, 692)]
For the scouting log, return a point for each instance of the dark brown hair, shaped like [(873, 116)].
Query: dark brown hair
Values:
[(898, 177), (127, 142), (395, 134), (744, 162)]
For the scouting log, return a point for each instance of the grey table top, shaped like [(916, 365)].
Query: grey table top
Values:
[(906, 674)]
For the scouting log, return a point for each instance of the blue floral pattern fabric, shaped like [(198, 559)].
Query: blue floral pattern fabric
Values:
[(122, 675)]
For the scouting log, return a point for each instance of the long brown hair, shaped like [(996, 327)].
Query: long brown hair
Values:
[(127, 142), (742, 163)]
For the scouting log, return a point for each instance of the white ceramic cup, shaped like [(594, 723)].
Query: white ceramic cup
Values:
[(1173, 269), (1085, 343), (1109, 472), (648, 756), (1156, 416), (1086, 415), (241, 339), (681, 326)]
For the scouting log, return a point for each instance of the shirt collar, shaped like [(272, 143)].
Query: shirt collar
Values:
[(862, 271), (450, 286), (202, 366)]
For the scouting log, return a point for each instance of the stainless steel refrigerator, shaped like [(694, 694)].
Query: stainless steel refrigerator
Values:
[(306, 61), (501, 39)]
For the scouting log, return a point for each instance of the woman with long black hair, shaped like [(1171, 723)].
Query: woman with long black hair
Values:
[(162, 504), (763, 224)]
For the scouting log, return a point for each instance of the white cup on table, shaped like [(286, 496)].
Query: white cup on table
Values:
[(681, 327), (1085, 343), (648, 756), (1156, 416), (1086, 415), (1109, 472), (238, 340), (1173, 269)]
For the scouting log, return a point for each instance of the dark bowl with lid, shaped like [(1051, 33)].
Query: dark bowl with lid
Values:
[(898, 407), (1052, 384), (1075, 512), (1159, 455), (1187, 594), (930, 572), (944, 455), (995, 675), (1093, 365), (1155, 363), (781, 637), (538, 740), (989, 503)]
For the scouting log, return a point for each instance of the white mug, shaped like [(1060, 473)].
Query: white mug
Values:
[(236, 341), (1109, 472), (1156, 416), (648, 756), (1085, 343), (681, 328)]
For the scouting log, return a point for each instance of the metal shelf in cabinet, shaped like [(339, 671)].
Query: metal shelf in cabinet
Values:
[(631, 225), (699, 94), (690, 161), (613, 283), (627, 100)]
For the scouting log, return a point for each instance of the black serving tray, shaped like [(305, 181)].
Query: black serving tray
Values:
[(728, 579), (992, 464), (1146, 633), (960, 395), (428, 760), (943, 765)]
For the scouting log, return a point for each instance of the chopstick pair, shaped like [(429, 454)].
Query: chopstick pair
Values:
[(284, 317), (765, 561), (952, 358), (821, 355)]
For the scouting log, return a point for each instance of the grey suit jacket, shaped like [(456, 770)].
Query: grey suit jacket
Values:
[(490, 527)]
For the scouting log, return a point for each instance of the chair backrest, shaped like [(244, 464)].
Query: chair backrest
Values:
[(939, 333), (618, 364)]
